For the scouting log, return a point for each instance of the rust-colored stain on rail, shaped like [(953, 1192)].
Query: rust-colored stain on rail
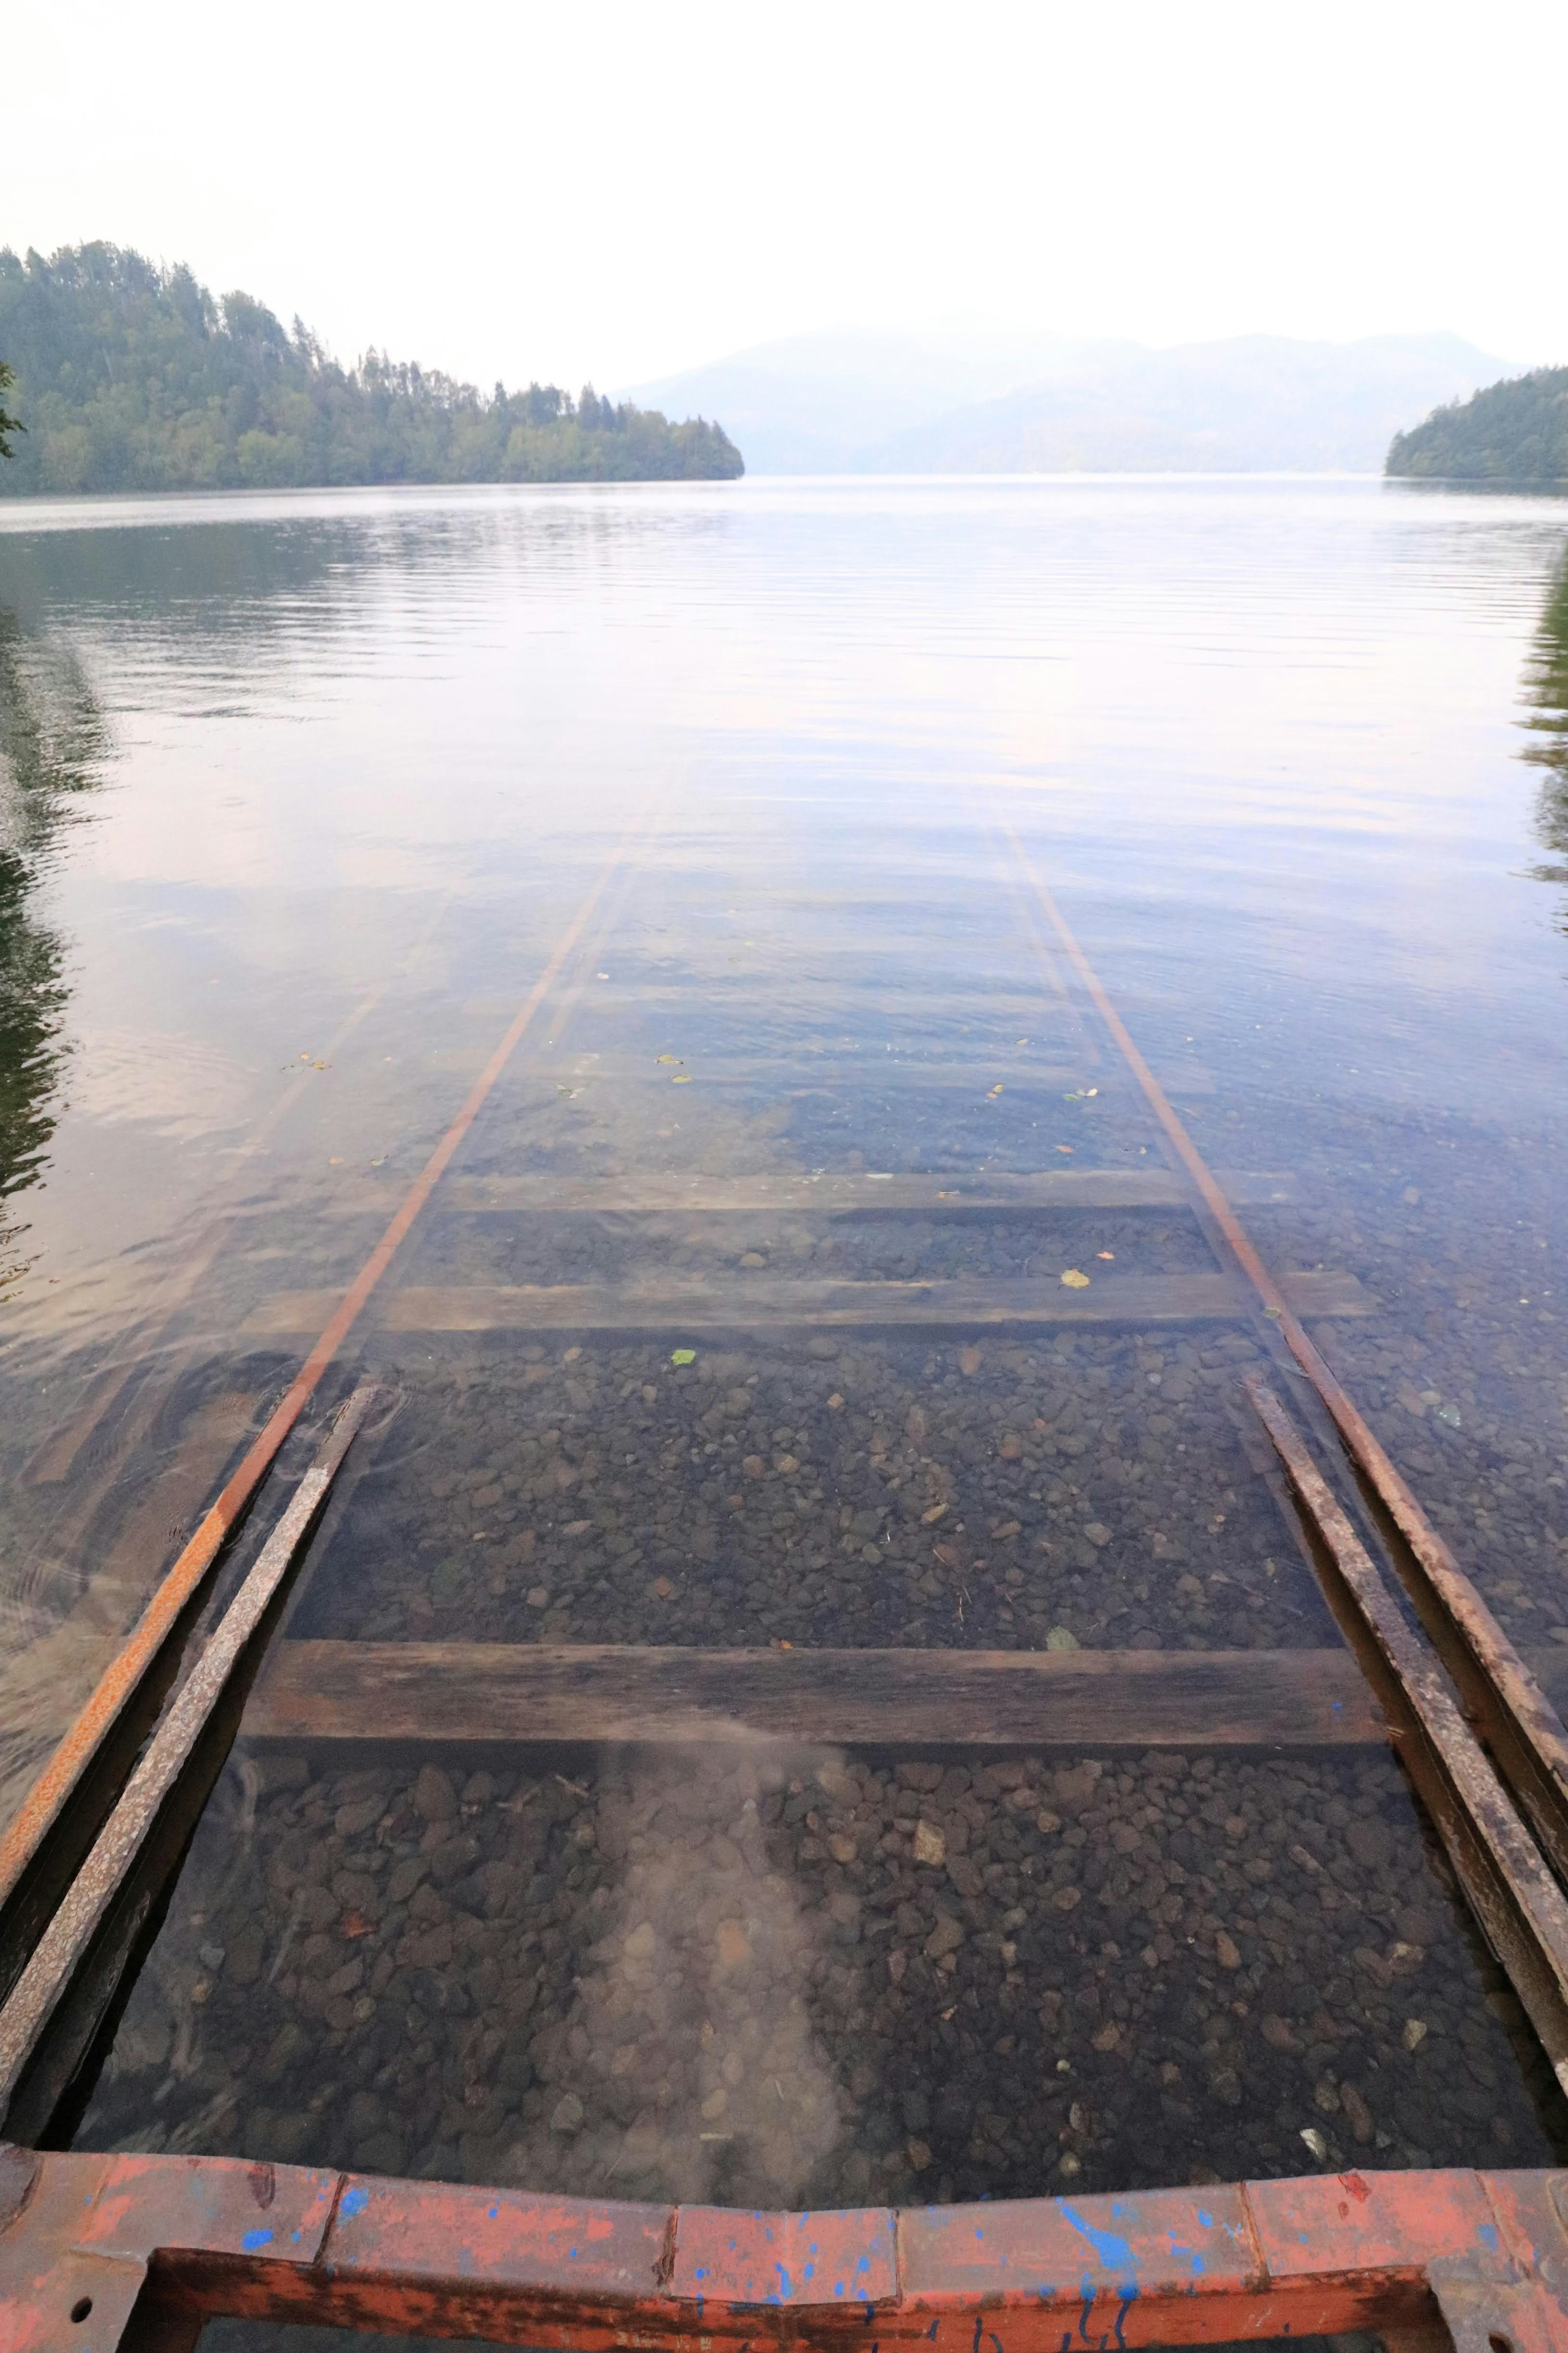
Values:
[(120, 1680), (1526, 1729)]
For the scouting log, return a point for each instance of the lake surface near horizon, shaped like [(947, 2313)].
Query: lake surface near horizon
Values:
[(298, 796)]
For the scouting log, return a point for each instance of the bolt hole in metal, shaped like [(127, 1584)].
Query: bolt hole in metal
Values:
[(83, 2305)]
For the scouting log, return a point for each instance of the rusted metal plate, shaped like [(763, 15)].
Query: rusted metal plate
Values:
[(1087, 2265), (693, 1305), (733, 2259), (430, 2230), (211, 2205), (485, 1693), (198, 2236), (1324, 2225)]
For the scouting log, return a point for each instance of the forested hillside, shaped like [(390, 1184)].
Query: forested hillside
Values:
[(1511, 432), (129, 377)]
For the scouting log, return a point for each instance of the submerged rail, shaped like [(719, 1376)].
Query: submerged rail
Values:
[(41, 1809), (1523, 1729), (27, 2009), (350, 1694)]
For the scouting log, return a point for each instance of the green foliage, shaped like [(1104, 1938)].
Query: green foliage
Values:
[(8, 425), (1516, 431), (53, 743), (134, 379), (1546, 688)]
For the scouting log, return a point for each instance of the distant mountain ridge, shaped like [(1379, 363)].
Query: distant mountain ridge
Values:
[(1511, 432), (844, 402)]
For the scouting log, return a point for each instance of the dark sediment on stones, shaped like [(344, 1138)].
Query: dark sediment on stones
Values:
[(1091, 1486), (800, 1979)]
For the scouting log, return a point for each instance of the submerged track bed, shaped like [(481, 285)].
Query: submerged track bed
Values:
[(819, 1692)]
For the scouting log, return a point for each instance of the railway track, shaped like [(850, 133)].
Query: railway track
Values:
[(796, 1418)]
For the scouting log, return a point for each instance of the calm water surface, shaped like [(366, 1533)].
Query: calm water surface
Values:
[(301, 795)]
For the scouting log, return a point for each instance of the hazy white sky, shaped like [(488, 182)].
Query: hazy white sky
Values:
[(610, 190)]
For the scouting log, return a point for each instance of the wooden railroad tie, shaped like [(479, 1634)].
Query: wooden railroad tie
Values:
[(839, 1193), (827, 1074), (846, 1193), (473, 1695), (694, 1304)]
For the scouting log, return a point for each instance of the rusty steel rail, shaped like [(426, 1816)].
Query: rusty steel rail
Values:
[(1521, 1909), (97, 2252), (55, 1959), (50, 1793), (1519, 1723)]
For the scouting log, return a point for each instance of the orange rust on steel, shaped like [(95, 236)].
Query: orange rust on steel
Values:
[(1512, 1892), (120, 1679), (1516, 1715), (25, 2012), (177, 2241)]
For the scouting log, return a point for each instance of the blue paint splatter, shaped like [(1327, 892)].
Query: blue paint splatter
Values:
[(1206, 2219), (1486, 2234), (494, 2211), (1115, 2252), (354, 2201), (254, 2241)]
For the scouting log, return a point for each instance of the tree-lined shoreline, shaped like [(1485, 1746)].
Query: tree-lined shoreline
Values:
[(132, 377), (1516, 431)]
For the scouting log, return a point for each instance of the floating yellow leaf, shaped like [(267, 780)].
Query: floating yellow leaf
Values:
[(683, 1356), (1064, 1147), (683, 1080), (1105, 1254), (1075, 1281), (667, 1057), (995, 1090)]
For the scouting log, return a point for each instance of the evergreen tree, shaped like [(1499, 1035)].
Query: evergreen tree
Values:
[(134, 379), (8, 425)]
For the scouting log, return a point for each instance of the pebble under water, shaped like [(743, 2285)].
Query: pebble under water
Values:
[(806, 1979), (775, 901)]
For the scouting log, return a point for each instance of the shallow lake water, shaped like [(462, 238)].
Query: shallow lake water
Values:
[(755, 787)]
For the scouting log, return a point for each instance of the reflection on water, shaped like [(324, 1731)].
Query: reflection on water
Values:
[(371, 751), (1546, 685), (53, 742)]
